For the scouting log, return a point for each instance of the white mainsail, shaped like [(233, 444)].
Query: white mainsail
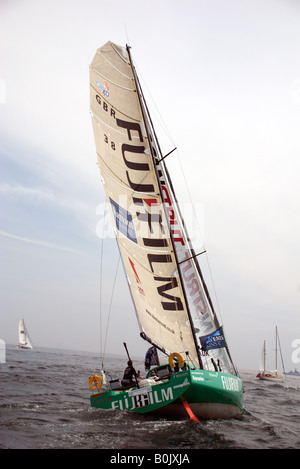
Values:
[(24, 338), (262, 363), (171, 300)]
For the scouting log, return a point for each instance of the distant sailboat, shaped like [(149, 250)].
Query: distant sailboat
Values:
[(24, 338), (270, 375)]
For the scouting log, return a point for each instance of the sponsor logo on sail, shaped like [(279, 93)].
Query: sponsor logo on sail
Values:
[(104, 88), (123, 220)]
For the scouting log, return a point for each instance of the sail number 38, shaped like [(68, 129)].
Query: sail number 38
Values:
[(112, 144)]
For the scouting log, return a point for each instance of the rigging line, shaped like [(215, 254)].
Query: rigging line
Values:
[(128, 42), (199, 231), (150, 130), (282, 363), (159, 118), (167, 154), (101, 277), (111, 299), (191, 257), (189, 195), (214, 288), (164, 126)]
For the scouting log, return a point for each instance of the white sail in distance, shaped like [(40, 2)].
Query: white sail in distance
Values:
[(24, 338), (170, 300)]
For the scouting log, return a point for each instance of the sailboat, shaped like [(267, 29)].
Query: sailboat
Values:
[(24, 338), (173, 306), (264, 374)]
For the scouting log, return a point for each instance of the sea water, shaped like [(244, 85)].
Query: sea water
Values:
[(44, 404)]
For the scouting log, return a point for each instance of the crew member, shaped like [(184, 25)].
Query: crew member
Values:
[(130, 375)]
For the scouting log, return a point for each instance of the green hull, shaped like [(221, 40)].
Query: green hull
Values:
[(210, 395)]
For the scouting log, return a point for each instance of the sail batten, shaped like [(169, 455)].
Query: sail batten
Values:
[(113, 82), (106, 59)]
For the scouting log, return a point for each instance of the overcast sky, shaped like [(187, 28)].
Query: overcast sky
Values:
[(225, 77)]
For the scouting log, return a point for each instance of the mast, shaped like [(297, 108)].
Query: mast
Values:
[(193, 256), (276, 349), (282, 362), (194, 259), (147, 118)]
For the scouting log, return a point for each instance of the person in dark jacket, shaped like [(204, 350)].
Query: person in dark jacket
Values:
[(130, 375)]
